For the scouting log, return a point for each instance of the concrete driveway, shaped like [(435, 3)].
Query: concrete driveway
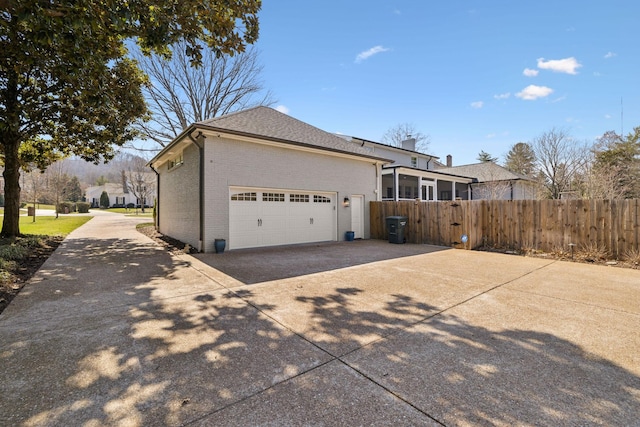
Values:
[(113, 330)]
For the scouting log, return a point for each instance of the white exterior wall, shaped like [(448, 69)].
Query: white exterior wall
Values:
[(245, 164), (524, 190), (178, 200), (402, 158), (113, 191)]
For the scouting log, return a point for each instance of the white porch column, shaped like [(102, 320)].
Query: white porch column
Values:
[(396, 185), (453, 190)]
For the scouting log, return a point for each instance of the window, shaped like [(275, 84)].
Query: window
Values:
[(176, 161), (273, 197), (249, 197), (388, 187), (301, 198), (408, 187), (414, 162), (321, 199)]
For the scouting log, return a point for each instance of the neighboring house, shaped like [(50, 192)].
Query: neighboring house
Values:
[(418, 176), (259, 177), (492, 181), (121, 195), (413, 175)]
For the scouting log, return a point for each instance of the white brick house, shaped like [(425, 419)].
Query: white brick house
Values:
[(259, 177)]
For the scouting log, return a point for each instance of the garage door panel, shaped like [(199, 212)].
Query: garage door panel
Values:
[(272, 217)]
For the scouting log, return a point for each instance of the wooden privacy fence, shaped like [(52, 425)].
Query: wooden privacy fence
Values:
[(544, 225)]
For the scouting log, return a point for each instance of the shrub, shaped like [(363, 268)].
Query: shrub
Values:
[(65, 207), (13, 251), (83, 207), (130, 206)]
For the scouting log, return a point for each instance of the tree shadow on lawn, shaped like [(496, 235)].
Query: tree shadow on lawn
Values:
[(174, 353)]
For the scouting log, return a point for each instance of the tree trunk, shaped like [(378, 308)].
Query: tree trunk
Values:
[(10, 143), (11, 221)]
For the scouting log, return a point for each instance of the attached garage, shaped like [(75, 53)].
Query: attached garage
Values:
[(260, 178), (269, 217)]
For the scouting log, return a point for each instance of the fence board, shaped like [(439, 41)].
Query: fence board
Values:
[(519, 224)]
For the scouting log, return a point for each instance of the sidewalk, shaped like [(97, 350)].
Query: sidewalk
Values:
[(114, 330)]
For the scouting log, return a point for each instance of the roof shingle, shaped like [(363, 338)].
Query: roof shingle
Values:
[(270, 123)]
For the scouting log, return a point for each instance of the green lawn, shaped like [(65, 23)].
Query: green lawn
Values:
[(50, 226)]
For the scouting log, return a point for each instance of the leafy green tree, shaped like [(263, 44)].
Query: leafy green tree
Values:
[(67, 85), (521, 159), (104, 200), (483, 156)]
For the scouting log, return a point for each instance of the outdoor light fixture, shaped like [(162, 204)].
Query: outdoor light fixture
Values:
[(345, 202)]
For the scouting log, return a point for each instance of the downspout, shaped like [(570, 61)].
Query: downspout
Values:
[(200, 146), (157, 201)]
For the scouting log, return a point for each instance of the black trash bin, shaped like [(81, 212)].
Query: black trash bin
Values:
[(396, 226)]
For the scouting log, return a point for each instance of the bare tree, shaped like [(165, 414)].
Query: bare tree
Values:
[(56, 174), (140, 181), (602, 182), (619, 157), (33, 182), (560, 160), (179, 94), (400, 132), (492, 190)]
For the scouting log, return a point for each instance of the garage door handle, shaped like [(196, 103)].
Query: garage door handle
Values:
[(259, 223), (311, 221)]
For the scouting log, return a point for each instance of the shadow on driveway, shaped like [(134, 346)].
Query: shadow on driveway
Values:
[(257, 265)]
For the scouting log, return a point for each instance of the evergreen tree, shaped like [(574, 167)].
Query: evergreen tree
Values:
[(72, 191), (483, 156), (521, 159), (104, 200)]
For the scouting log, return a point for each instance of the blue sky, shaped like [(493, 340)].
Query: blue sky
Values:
[(473, 75)]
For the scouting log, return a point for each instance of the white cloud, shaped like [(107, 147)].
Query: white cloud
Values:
[(369, 53), (566, 65), (610, 55), (607, 116), (530, 72), (502, 95), (282, 109), (477, 104), (533, 92)]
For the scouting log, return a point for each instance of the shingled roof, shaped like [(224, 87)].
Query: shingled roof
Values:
[(270, 123), (484, 172)]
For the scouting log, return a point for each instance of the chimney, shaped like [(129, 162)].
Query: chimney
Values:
[(449, 161), (409, 143)]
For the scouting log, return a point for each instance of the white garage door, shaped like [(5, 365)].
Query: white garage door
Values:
[(270, 217)]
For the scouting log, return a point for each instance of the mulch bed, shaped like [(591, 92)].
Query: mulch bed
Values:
[(25, 269)]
